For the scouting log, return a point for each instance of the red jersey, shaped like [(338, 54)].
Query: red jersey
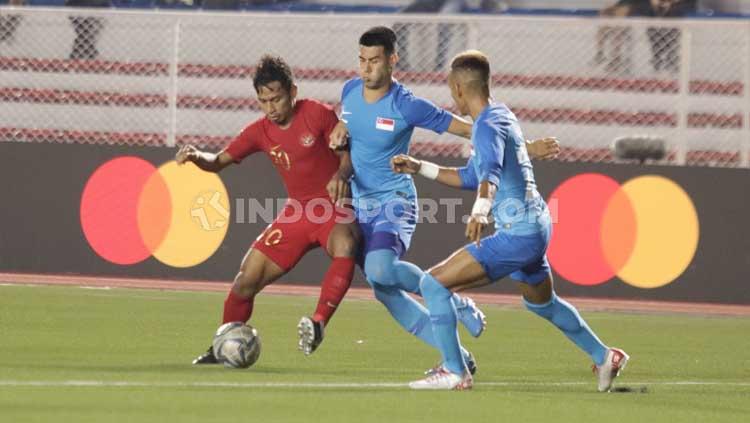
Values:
[(299, 152)]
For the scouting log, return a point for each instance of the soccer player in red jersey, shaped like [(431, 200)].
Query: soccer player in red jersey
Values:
[(294, 134)]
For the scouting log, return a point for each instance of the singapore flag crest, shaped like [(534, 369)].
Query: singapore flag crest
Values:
[(385, 124)]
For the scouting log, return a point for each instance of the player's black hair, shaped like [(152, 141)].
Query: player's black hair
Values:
[(379, 36), (270, 69)]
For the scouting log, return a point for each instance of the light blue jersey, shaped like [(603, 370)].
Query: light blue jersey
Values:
[(500, 156), (380, 131)]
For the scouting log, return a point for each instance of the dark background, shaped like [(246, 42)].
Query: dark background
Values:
[(40, 231)]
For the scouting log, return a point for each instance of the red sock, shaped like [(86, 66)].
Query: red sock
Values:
[(336, 282), (237, 308)]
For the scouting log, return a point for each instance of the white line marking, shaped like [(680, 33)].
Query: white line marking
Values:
[(333, 385)]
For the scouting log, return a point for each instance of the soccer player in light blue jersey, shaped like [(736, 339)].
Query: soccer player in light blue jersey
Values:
[(380, 115), (501, 173)]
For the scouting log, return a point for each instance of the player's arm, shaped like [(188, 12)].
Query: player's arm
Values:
[(333, 128), (456, 177), (339, 137), (540, 149), (424, 114), (480, 213), (543, 148), (338, 186), (489, 155), (460, 127), (210, 162)]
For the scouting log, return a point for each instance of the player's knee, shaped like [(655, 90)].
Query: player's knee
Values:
[(345, 246), (439, 272), (432, 288), (380, 272), (246, 285), (384, 294), (380, 267)]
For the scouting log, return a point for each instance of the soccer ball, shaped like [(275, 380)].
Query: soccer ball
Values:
[(236, 345)]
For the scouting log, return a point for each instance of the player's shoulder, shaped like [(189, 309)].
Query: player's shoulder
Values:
[(401, 92), (493, 121), (406, 101), (350, 86), (497, 116), (253, 132), (256, 125)]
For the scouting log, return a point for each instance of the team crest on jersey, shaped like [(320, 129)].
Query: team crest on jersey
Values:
[(385, 124), (307, 140)]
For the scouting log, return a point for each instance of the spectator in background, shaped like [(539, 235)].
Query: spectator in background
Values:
[(233, 4), (618, 57), (9, 23), (87, 29), (665, 41), (446, 32)]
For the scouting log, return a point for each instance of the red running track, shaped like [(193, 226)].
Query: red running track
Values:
[(588, 304)]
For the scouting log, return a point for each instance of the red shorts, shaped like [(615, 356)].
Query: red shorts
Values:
[(294, 232)]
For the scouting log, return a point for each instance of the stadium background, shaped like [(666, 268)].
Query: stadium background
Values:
[(173, 77)]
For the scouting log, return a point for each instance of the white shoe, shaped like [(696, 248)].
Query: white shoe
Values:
[(469, 315), (614, 361), (310, 335), (442, 379)]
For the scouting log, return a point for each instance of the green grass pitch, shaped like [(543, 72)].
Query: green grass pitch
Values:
[(89, 355)]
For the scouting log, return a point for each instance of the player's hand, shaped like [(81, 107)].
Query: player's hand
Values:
[(338, 188), (475, 227), (543, 148), (403, 163), (339, 137), (186, 153)]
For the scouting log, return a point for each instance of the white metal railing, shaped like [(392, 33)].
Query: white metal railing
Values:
[(145, 77)]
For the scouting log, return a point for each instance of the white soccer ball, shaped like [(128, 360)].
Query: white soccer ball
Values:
[(236, 345)]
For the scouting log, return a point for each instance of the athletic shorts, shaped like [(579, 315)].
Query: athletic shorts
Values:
[(522, 257), (293, 233), (397, 217)]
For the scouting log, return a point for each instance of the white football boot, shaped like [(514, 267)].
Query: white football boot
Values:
[(310, 335), (614, 362), (442, 379)]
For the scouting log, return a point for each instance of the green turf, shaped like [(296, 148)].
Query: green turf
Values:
[(528, 372)]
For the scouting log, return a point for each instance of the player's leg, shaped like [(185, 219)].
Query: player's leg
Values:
[(256, 272), (458, 270), (475, 265), (341, 242), (273, 253), (408, 313), (391, 237), (539, 297)]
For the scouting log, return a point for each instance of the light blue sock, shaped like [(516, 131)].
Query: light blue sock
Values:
[(385, 268), (443, 319), (410, 314), (563, 315)]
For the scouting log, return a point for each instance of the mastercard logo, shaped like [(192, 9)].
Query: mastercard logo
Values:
[(644, 232), (131, 210)]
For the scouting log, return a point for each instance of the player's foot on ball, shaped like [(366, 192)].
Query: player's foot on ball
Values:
[(471, 366), (470, 316), (614, 362), (207, 357), (444, 380), (310, 335)]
